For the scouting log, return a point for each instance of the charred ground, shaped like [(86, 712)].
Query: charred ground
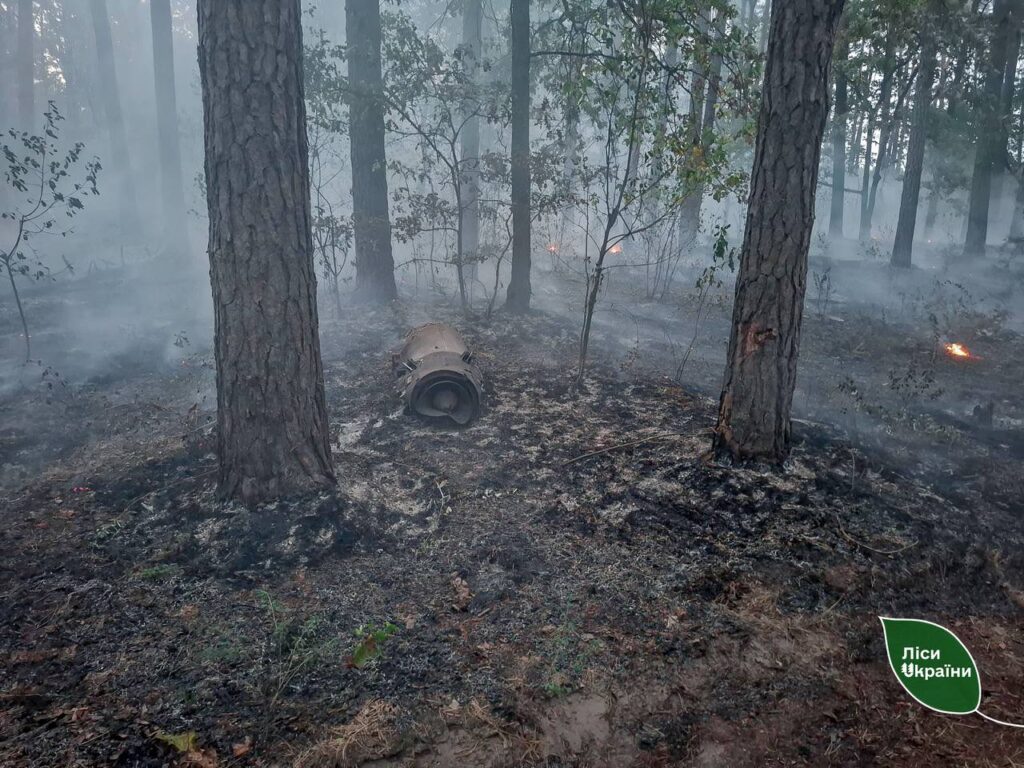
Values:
[(572, 580)]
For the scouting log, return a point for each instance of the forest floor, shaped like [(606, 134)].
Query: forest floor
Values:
[(570, 581)]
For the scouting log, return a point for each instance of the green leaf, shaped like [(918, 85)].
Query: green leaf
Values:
[(932, 665), (183, 742), (370, 646)]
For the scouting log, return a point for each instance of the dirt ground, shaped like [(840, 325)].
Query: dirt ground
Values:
[(570, 581)]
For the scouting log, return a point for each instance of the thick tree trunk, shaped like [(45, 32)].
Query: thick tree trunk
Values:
[(171, 186), (989, 131), (26, 65), (760, 374), (111, 96), (469, 213), (517, 299), (371, 220), (271, 411), (911, 194), (842, 107)]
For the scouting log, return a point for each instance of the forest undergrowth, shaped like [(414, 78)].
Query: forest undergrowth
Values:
[(572, 580)]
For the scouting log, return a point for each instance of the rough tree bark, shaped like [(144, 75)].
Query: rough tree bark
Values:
[(271, 411), (760, 374), (111, 98), (26, 65), (171, 186), (989, 130), (903, 244), (472, 32), (842, 108), (371, 220), (517, 299)]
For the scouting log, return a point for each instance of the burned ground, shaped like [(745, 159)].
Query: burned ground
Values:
[(572, 580)]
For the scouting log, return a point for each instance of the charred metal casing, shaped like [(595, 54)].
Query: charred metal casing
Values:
[(437, 376)]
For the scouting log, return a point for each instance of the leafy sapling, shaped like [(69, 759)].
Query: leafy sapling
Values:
[(47, 182)]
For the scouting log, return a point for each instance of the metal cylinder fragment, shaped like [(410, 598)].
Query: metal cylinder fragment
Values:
[(437, 376)]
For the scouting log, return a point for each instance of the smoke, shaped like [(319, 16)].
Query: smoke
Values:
[(117, 304)]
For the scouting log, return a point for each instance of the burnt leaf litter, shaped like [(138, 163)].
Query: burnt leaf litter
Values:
[(571, 580)]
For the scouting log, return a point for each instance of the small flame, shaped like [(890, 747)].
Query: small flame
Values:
[(552, 248), (616, 249), (953, 349)]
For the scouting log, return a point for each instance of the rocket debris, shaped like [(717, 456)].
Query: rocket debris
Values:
[(437, 376)]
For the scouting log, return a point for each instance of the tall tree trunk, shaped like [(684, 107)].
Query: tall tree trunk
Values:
[(885, 139), (747, 14), (517, 299), (864, 226), (570, 140), (272, 423), (762, 37), (911, 194), (932, 214), (971, 49), (469, 213), (707, 124), (1016, 237), (111, 96), (371, 220), (889, 147), (570, 148), (74, 66), (760, 374), (26, 65), (171, 186), (1001, 179), (842, 108), (989, 131), (689, 210), (852, 158)]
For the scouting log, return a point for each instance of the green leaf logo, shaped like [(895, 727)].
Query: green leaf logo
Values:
[(933, 665)]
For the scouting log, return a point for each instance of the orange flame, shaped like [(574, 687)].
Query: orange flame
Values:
[(552, 248), (953, 349), (616, 249)]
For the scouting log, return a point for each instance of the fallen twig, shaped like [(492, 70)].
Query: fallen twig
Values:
[(868, 547), (630, 444)]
